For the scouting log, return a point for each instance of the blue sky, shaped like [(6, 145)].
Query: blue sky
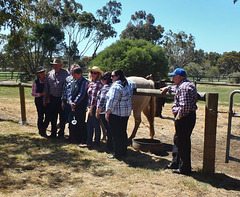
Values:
[(215, 24)]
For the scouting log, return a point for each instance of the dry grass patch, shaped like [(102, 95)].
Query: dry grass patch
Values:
[(35, 166)]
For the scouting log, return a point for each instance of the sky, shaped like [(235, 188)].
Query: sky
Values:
[(215, 24)]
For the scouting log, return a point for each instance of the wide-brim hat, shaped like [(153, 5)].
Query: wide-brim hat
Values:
[(96, 69), (40, 69), (56, 61), (178, 71)]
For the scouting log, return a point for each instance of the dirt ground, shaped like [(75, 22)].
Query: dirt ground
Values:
[(164, 131)]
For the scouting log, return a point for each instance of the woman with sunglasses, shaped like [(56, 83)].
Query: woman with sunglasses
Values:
[(93, 124), (101, 104), (118, 110)]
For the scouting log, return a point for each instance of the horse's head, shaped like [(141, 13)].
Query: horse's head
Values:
[(150, 77)]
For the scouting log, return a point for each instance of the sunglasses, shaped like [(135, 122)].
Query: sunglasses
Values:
[(94, 73), (113, 76)]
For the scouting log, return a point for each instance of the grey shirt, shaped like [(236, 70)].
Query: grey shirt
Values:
[(55, 81)]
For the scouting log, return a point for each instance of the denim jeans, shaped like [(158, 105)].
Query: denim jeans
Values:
[(93, 127)]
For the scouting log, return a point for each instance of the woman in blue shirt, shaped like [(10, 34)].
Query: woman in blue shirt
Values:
[(118, 110)]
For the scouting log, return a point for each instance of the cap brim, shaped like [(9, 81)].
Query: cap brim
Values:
[(171, 74)]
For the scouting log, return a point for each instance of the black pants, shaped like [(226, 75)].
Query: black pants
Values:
[(109, 134), (56, 109), (78, 132), (182, 142), (118, 127), (43, 114)]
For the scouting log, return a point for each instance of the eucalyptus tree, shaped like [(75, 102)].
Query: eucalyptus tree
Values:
[(179, 48), (229, 62), (81, 27), (106, 18), (141, 26), (31, 48), (13, 13)]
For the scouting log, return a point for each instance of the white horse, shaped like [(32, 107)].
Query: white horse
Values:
[(145, 104)]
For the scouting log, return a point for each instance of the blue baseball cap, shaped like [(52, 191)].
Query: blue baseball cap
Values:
[(178, 71)]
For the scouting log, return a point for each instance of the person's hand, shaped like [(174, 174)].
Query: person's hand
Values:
[(97, 115), (43, 93), (107, 115), (178, 117), (73, 106), (163, 90), (45, 103), (63, 106)]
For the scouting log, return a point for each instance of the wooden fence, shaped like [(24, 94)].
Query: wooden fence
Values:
[(211, 105)]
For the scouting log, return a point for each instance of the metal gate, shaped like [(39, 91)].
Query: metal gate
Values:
[(229, 135)]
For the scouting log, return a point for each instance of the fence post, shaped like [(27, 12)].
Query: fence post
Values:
[(211, 108), (23, 106)]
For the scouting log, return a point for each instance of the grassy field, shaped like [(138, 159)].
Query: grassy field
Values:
[(223, 91)]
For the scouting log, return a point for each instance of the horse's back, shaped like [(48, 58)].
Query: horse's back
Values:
[(142, 82), (139, 103)]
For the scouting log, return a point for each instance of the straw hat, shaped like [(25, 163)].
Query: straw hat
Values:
[(56, 61), (96, 69)]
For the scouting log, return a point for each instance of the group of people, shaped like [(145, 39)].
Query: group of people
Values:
[(107, 96), (104, 97)]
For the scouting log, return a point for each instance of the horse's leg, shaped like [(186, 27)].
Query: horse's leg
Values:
[(137, 118), (150, 117)]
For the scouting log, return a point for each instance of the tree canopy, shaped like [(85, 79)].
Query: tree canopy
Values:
[(141, 27), (179, 48), (135, 58), (229, 62)]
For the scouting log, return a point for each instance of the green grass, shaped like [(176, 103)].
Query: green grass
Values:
[(13, 92), (223, 91)]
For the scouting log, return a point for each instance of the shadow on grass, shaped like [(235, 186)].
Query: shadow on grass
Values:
[(139, 159), (218, 180)]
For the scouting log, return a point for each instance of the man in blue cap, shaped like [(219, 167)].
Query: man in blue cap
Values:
[(184, 110)]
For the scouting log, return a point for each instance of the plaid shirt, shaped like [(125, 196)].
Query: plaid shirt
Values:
[(34, 88), (55, 81), (185, 98), (82, 92), (67, 88), (101, 97), (119, 98), (93, 89)]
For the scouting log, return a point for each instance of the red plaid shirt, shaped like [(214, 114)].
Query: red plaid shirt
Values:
[(93, 89), (185, 98)]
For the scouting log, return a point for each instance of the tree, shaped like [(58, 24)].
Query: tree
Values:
[(72, 51), (107, 16), (213, 58), (13, 13), (195, 70), (138, 58), (213, 72), (82, 27), (179, 48), (31, 48), (141, 27), (235, 1), (229, 62)]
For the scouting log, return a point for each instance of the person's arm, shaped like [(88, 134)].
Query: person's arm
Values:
[(114, 95), (34, 90), (82, 93)]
